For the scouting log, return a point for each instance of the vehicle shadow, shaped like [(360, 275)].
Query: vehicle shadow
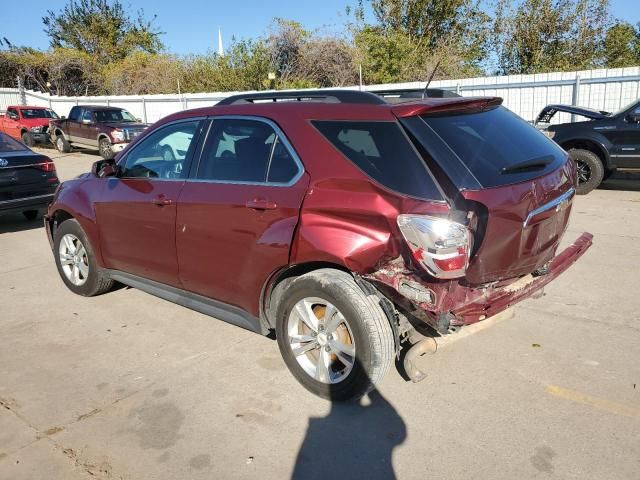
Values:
[(629, 181), (16, 222), (354, 441)]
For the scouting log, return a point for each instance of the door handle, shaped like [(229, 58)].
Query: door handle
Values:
[(261, 204), (162, 201)]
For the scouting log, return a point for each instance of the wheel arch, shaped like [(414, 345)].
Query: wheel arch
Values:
[(274, 286), (591, 145)]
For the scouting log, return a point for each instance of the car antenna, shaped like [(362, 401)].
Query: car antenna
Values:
[(433, 73)]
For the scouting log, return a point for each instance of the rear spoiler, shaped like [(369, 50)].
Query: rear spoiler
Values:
[(440, 106), (549, 111)]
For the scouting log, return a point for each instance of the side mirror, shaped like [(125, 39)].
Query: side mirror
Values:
[(633, 117), (105, 168), (86, 121), (13, 116), (63, 117)]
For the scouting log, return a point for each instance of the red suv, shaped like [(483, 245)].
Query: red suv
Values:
[(339, 222)]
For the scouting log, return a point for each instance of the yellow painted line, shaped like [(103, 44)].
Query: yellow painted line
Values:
[(595, 402)]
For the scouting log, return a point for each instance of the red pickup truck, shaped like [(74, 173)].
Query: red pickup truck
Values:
[(28, 124)]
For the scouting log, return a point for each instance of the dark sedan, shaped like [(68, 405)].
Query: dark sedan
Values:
[(27, 179)]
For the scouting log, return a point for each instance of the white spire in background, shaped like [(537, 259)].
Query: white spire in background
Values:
[(220, 48)]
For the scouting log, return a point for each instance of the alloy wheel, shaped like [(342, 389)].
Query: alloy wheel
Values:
[(73, 259), (584, 172), (321, 340), (60, 144)]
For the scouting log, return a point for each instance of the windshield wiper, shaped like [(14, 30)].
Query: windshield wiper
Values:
[(528, 165)]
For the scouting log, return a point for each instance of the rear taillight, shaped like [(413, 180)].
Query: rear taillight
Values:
[(440, 246), (46, 166)]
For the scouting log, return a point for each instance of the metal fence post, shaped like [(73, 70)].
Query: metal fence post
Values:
[(21, 95), (576, 96), (458, 88), (144, 110)]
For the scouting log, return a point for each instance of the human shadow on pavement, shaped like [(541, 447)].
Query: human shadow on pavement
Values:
[(354, 441)]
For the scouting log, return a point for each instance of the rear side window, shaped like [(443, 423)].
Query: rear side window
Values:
[(497, 146), (246, 151), (383, 152)]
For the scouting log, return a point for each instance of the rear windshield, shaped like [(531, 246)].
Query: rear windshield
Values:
[(8, 144), (384, 153), (497, 146)]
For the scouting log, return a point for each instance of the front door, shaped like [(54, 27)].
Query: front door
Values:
[(626, 151), (136, 212), (238, 213)]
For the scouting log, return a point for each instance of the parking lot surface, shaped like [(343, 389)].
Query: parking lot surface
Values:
[(128, 386)]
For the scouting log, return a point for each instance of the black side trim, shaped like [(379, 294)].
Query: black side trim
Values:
[(199, 303)]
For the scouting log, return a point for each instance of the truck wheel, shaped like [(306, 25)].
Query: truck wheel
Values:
[(105, 149), (590, 170), (27, 139), (335, 340), (62, 145), (76, 261)]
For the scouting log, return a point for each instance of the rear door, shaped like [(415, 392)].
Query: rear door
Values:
[(136, 212), (517, 181), (238, 212)]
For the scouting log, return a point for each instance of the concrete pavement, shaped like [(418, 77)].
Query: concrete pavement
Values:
[(128, 386)]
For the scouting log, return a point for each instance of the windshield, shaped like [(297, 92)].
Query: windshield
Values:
[(8, 144), (38, 113), (625, 108), (114, 115)]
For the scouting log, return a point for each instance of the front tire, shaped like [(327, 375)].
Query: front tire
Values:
[(335, 340), (76, 261), (106, 151), (27, 139), (590, 170)]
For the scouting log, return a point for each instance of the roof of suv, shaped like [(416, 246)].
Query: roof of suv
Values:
[(336, 105)]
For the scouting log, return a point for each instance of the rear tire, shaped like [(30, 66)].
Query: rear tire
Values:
[(106, 151), (62, 145), (356, 332), (79, 272), (31, 215), (27, 139), (590, 170)]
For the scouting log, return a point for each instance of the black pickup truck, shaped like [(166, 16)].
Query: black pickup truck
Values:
[(108, 129), (600, 145)]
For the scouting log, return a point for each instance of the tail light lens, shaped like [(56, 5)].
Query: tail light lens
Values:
[(46, 167), (440, 246)]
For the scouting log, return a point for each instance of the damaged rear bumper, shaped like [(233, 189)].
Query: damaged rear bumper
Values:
[(464, 305)]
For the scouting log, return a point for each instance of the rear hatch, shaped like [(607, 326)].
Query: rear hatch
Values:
[(25, 174), (518, 183)]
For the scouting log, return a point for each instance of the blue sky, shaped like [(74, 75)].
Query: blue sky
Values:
[(191, 26)]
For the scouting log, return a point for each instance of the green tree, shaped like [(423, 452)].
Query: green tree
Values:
[(549, 35), (622, 46), (101, 28)]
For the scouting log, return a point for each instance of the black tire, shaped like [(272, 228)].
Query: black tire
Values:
[(106, 152), (31, 215), (62, 145), (590, 170), (371, 331), (96, 282), (27, 139)]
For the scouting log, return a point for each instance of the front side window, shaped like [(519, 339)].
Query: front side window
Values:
[(383, 152), (163, 153), (246, 151)]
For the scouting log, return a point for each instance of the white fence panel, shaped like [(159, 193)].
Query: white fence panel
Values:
[(525, 95)]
